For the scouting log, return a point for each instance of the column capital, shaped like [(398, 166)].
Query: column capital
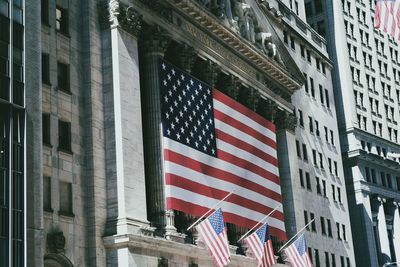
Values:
[(130, 20), (187, 57), (285, 120), (155, 40)]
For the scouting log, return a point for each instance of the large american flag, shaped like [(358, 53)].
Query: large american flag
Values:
[(297, 253), (213, 145), (213, 233), (387, 17), (260, 245)]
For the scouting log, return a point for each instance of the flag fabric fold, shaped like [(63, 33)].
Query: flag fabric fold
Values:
[(260, 244), (212, 232), (387, 17), (297, 254), (212, 145)]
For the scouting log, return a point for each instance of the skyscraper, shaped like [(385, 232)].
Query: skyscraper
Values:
[(367, 81)]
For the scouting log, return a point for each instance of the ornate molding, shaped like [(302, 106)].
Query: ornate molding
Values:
[(154, 39), (285, 120), (267, 65), (55, 242), (130, 20), (207, 71)]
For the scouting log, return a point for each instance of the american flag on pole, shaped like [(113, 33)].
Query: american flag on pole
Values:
[(213, 145), (387, 17), (212, 231), (260, 245), (297, 253)]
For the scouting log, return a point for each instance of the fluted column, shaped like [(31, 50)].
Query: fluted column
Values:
[(396, 230), (155, 42), (382, 229)]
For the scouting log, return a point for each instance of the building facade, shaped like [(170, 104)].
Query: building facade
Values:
[(90, 126), (318, 188), (367, 79)]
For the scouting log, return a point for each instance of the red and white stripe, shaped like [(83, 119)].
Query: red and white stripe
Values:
[(247, 162), (217, 244), (264, 253), (269, 258), (295, 259), (387, 16)]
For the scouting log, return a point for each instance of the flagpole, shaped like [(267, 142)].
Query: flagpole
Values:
[(213, 208), (302, 229), (269, 214)]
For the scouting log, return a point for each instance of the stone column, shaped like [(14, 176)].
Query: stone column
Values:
[(155, 42), (396, 230), (382, 229), (126, 205)]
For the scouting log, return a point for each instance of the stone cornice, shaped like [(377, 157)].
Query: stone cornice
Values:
[(270, 68)]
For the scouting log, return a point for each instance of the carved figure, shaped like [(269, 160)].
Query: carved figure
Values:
[(264, 40), (246, 20), (113, 8)]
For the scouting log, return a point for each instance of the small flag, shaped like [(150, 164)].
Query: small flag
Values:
[(260, 245), (213, 233), (387, 16), (297, 253)]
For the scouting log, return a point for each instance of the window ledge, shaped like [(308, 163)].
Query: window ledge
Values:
[(66, 214), (65, 151)]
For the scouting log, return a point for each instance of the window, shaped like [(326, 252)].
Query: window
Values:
[(305, 82), (330, 165), (301, 121), (301, 178), (398, 183), (339, 194), (305, 156), (313, 225), (332, 141), (64, 136), (338, 231), (45, 12), (316, 128), (327, 98), (344, 232), (367, 174), (306, 220), (323, 230), (46, 129), (327, 261), (333, 260), (324, 187), (298, 148), (62, 20), (292, 43), (63, 77), (389, 180), (321, 94), (326, 134), (314, 153), (321, 162), (316, 255), (47, 194), (383, 179), (302, 50), (45, 69), (285, 37), (333, 193), (66, 198), (342, 261), (312, 87), (310, 123), (308, 55), (335, 167), (318, 186), (308, 181)]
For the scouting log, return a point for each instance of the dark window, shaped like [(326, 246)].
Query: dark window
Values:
[(316, 254), (306, 219), (324, 187), (333, 193), (308, 55), (63, 77), (339, 193), (46, 129), (64, 136), (321, 94), (398, 183), (347, 262), (301, 178), (321, 162), (323, 230), (305, 156), (45, 69), (389, 180), (326, 134), (311, 125), (301, 121), (62, 20), (292, 43), (338, 231), (285, 37), (327, 261), (383, 179), (302, 50), (45, 12), (318, 6), (312, 87), (333, 260), (47, 193), (329, 227), (298, 148), (313, 224), (310, 254), (4, 29), (367, 174), (305, 82), (318, 186), (308, 181), (18, 35), (314, 154), (342, 261), (66, 198), (327, 98), (344, 232)]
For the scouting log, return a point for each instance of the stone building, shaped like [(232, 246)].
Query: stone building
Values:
[(93, 184), (366, 75)]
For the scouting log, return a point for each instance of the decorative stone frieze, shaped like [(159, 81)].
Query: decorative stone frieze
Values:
[(130, 20), (55, 242)]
